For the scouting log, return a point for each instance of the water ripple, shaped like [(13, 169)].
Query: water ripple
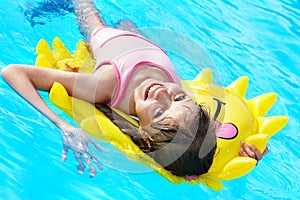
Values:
[(259, 39)]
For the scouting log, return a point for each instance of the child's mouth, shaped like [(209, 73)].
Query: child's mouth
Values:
[(151, 89)]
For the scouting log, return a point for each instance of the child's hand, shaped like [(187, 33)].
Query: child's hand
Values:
[(251, 151), (77, 140)]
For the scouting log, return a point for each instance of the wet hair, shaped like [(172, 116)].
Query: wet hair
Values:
[(181, 151)]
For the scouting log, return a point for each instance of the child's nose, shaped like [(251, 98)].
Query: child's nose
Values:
[(164, 95)]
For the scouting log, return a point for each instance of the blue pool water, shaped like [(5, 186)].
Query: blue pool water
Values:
[(259, 39)]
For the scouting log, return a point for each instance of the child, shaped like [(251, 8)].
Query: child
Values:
[(137, 77)]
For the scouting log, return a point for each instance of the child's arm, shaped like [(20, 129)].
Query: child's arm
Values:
[(27, 79)]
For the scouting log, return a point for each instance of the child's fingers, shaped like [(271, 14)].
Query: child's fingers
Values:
[(257, 153), (97, 146), (265, 151), (243, 153), (64, 153), (249, 152)]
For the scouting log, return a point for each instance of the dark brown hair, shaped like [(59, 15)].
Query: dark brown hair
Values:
[(182, 152)]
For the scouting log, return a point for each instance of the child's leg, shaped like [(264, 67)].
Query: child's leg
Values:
[(88, 18)]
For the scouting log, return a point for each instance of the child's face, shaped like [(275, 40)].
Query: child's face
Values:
[(163, 103)]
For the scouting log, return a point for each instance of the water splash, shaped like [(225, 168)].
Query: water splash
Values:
[(41, 12)]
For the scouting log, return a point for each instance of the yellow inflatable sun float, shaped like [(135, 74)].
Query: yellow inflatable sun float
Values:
[(238, 118)]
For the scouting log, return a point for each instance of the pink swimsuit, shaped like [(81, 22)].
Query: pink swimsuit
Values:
[(126, 51)]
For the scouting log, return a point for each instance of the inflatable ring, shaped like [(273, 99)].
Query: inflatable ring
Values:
[(237, 118)]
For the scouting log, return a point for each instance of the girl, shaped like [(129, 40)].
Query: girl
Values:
[(137, 77)]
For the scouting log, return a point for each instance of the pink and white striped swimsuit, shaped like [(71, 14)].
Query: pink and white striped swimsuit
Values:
[(126, 51)]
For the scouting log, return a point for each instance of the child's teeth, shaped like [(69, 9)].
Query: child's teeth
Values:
[(151, 89)]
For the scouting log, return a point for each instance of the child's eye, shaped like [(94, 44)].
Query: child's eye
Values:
[(179, 98), (159, 113)]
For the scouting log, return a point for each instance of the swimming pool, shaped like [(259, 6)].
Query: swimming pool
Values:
[(258, 39)]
